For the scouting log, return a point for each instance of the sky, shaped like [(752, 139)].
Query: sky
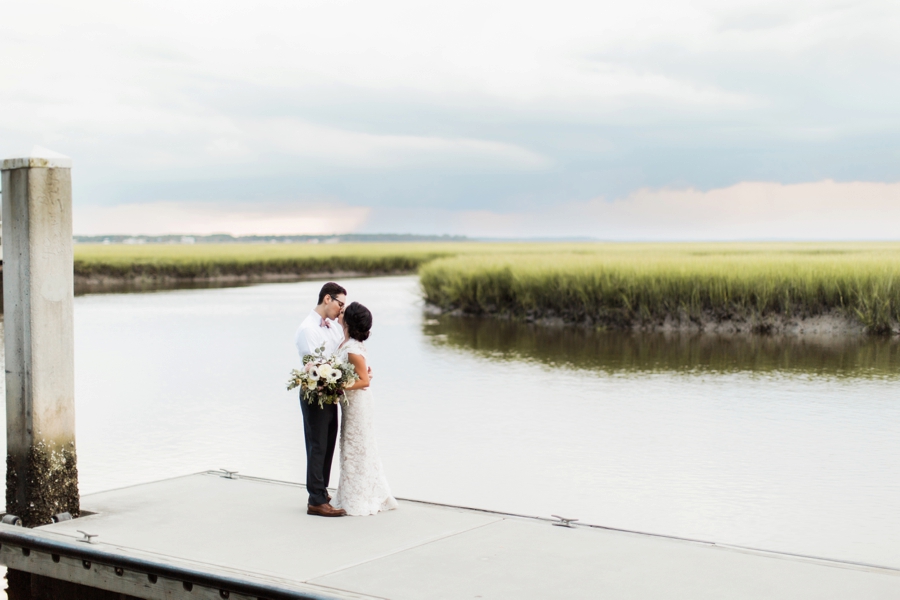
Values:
[(639, 120)]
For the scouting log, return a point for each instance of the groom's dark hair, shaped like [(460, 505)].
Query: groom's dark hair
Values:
[(330, 289)]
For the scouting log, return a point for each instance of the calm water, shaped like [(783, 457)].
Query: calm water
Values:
[(773, 443)]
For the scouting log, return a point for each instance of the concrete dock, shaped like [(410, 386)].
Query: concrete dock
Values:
[(211, 536)]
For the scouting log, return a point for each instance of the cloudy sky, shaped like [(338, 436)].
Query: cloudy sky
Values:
[(674, 119)]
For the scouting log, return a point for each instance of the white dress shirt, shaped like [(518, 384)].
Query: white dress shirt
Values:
[(312, 335)]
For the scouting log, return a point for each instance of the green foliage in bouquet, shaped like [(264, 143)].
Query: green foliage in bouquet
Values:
[(322, 379)]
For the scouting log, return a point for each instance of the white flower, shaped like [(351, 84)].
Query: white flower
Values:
[(334, 376), (325, 371)]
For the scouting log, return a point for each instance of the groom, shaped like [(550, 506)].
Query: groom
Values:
[(320, 424)]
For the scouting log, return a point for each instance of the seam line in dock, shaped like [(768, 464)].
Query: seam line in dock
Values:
[(725, 546), (402, 550), (271, 576)]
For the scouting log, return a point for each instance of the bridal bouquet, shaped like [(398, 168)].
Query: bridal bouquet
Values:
[(322, 379)]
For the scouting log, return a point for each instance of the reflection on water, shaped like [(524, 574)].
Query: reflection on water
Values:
[(622, 352)]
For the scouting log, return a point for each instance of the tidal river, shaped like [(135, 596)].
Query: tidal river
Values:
[(782, 444)]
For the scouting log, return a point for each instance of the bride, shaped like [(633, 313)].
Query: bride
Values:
[(362, 488)]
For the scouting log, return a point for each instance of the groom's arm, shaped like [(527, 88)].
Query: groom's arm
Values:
[(303, 342)]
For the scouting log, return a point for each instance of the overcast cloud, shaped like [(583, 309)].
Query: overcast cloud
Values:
[(639, 120)]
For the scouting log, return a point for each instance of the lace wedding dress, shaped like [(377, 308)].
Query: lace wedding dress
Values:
[(362, 487)]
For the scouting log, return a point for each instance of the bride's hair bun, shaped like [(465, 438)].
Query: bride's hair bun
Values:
[(359, 321)]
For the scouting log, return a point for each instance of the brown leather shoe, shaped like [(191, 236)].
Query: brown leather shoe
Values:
[(325, 510)]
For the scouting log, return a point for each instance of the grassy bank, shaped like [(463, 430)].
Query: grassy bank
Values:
[(613, 285), (210, 261), (621, 285)]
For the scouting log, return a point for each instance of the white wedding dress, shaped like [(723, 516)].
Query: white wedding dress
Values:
[(362, 487)]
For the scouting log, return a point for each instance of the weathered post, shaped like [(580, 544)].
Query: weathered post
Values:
[(41, 472)]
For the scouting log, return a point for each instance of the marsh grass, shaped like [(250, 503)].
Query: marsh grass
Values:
[(209, 261), (619, 285), (615, 285)]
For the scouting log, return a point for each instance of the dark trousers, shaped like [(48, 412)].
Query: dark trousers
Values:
[(320, 427)]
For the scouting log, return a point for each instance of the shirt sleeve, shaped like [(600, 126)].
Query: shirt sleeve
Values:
[(301, 341)]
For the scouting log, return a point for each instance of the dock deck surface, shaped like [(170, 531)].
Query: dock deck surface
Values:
[(258, 530)]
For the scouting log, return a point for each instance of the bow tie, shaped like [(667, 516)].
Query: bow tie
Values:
[(325, 324)]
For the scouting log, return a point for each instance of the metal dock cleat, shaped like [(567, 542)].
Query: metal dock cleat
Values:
[(88, 537), (563, 521)]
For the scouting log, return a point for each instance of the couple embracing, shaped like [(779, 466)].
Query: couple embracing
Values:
[(362, 487)]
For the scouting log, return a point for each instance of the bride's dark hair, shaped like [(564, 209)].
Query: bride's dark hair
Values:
[(359, 321)]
